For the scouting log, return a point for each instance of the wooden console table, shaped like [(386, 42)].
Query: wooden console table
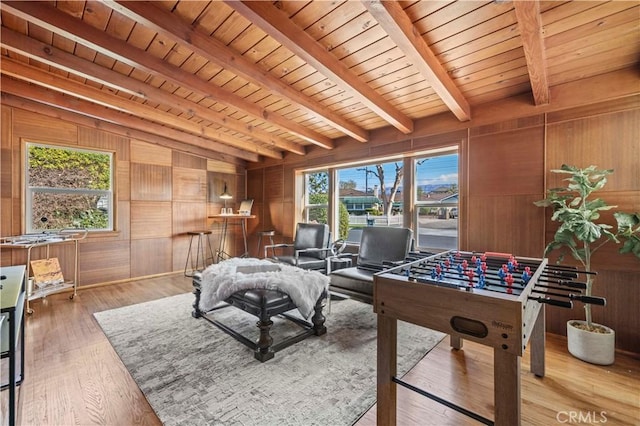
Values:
[(46, 239), (12, 297)]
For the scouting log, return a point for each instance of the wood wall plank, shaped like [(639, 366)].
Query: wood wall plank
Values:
[(506, 223), (104, 261), (150, 219), (123, 180), (150, 182), (100, 139), (147, 153), (151, 256), (608, 141), (189, 216), (40, 128), (123, 220), (616, 105), (6, 161), (508, 163), (189, 184), (182, 159), (221, 167)]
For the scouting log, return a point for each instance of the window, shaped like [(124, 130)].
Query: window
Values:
[(436, 201), (317, 197), (370, 195), (68, 188)]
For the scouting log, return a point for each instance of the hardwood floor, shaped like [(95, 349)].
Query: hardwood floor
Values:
[(73, 375)]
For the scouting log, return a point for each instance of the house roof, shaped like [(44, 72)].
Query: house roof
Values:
[(254, 80)]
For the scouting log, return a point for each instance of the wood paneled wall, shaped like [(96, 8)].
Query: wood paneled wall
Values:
[(504, 169), (161, 194)]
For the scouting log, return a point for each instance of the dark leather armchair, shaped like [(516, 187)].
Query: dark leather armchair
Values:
[(309, 250), (380, 247)]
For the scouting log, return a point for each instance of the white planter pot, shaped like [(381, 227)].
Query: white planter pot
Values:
[(589, 346)]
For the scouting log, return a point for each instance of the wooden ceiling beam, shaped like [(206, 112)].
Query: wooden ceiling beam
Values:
[(89, 109), (397, 24), (210, 48), (530, 26), (39, 77), (58, 22), (278, 25), (60, 59)]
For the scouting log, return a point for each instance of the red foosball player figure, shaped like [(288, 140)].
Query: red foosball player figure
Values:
[(470, 274), (509, 280)]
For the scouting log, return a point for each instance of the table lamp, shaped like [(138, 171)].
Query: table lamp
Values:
[(225, 196)]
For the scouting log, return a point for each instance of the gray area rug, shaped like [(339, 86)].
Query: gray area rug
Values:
[(194, 374)]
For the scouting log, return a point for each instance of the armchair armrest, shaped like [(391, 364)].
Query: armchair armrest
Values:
[(273, 248), (311, 250)]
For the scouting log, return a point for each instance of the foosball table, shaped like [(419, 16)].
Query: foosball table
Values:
[(494, 299)]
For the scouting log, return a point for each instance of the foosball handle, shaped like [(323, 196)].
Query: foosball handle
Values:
[(554, 302), (592, 300)]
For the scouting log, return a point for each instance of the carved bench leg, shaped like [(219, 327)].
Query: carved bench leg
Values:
[(263, 345), (196, 304), (318, 319)]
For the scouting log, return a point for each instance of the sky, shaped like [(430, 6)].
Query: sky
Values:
[(438, 170)]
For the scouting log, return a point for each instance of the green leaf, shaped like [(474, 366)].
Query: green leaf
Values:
[(576, 201)]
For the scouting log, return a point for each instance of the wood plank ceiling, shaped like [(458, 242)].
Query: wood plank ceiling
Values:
[(267, 79)]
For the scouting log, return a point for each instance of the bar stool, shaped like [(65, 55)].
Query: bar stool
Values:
[(265, 234), (201, 253)]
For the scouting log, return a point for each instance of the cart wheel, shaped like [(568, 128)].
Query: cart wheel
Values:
[(71, 297), (29, 311)]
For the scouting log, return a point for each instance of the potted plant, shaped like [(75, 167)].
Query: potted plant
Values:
[(581, 234)]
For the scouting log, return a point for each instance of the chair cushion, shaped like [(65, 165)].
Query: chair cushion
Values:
[(353, 279), (304, 262)]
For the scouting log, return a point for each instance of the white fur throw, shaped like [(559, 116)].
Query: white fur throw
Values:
[(221, 280)]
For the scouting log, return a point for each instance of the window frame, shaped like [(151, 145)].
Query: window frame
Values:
[(29, 190)]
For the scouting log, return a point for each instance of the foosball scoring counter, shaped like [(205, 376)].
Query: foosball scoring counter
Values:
[(494, 299)]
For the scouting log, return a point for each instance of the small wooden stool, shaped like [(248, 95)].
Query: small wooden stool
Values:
[(265, 234), (201, 252)]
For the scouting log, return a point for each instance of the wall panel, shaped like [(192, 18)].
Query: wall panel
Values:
[(151, 256), (189, 185), (150, 182), (505, 223), (150, 219), (40, 128), (102, 140), (507, 163), (148, 153), (104, 261), (609, 141)]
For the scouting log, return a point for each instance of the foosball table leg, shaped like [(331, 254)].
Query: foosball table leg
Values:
[(455, 342), (506, 382), (387, 370), (537, 344)]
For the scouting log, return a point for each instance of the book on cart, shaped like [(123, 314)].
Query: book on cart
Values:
[(47, 272)]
